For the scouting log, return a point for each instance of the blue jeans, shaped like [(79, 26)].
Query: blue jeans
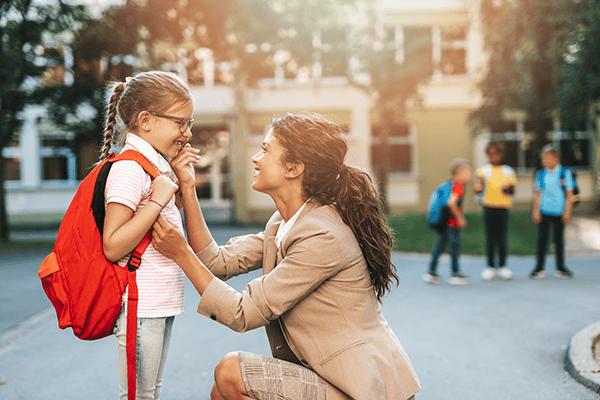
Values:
[(452, 236), (152, 347)]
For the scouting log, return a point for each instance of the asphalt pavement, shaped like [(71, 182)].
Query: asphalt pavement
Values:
[(487, 340)]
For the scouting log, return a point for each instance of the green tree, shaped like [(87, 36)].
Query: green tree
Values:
[(24, 29), (579, 92), (525, 44)]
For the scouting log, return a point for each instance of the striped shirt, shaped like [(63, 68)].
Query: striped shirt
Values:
[(160, 281)]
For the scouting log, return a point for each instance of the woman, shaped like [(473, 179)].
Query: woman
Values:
[(325, 256)]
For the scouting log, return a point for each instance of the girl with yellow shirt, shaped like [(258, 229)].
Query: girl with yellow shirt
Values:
[(495, 186)]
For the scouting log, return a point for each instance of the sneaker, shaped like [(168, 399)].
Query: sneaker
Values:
[(537, 274), (564, 273), (488, 274), (432, 277), (458, 279), (505, 273)]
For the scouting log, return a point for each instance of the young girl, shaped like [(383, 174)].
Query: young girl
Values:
[(155, 109)]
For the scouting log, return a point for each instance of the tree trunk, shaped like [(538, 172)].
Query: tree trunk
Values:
[(3, 215)]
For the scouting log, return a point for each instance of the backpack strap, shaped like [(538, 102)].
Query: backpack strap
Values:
[(132, 303), (132, 265)]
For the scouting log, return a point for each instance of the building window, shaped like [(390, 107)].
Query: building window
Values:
[(12, 162), (450, 50), (400, 148), (576, 149)]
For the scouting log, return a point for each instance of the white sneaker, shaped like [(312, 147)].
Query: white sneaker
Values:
[(488, 274), (432, 278), (505, 273), (458, 279)]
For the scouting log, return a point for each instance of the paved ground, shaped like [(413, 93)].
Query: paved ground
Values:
[(488, 340)]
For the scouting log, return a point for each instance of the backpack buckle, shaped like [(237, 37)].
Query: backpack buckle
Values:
[(134, 262)]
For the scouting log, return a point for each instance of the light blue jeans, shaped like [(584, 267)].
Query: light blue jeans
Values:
[(152, 347)]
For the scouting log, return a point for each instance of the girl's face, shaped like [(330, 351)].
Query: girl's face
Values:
[(269, 169), (494, 156), (164, 133)]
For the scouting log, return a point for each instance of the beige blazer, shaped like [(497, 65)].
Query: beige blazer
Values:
[(316, 298)]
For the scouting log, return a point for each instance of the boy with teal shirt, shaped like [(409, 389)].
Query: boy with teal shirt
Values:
[(552, 206)]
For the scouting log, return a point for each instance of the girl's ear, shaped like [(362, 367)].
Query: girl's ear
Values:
[(295, 170), (144, 120)]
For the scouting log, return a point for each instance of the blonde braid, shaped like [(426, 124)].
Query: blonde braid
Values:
[(111, 119)]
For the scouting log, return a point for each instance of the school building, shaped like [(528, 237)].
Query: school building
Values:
[(229, 126)]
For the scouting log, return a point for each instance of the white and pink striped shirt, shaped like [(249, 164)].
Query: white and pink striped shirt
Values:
[(160, 281)]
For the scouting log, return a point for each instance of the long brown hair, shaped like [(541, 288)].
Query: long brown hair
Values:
[(148, 91), (320, 145)]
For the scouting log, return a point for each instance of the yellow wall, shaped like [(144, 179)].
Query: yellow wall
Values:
[(442, 135)]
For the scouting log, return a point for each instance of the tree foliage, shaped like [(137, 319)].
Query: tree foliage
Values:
[(580, 74), (25, 63), (543, 61)]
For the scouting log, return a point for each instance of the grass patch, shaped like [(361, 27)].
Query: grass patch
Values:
[(411, 234)]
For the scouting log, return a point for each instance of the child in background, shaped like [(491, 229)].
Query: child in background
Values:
[(496, 186), (552, 205), (156, 110), (462, 174)]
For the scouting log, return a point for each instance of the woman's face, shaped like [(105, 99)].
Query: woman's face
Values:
[(269, 169)]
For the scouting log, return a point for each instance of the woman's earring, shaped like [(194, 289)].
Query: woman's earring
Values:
[(286, 175), (147, 128)]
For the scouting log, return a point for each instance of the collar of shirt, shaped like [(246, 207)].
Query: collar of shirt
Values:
[(555, 169), (139, 144), (286, 226)]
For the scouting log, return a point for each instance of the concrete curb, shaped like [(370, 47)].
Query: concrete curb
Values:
[(579, 360)]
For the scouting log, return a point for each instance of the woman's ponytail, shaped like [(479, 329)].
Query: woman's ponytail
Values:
[(362, 210)]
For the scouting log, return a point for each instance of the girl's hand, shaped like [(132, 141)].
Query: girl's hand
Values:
[(163, 189), (167, 239), (182, 164), (462, 222)]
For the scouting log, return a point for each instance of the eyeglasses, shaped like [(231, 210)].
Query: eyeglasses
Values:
[(184, 123)]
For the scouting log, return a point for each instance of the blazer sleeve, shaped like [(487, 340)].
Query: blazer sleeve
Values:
[(240, 255), (309, 259)]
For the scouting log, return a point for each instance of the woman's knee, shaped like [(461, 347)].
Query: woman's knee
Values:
[(228, 377)]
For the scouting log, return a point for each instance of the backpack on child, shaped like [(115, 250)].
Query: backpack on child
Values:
[(438, 212), (563, 176), (84, 287)]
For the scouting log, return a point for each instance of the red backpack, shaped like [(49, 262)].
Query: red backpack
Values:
[(84, 287)]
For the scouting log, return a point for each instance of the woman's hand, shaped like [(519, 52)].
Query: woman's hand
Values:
[(167, 239), (163, 189), (182, 164)]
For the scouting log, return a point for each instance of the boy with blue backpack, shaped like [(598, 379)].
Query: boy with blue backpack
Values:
[(552, 206), (445, 216)]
